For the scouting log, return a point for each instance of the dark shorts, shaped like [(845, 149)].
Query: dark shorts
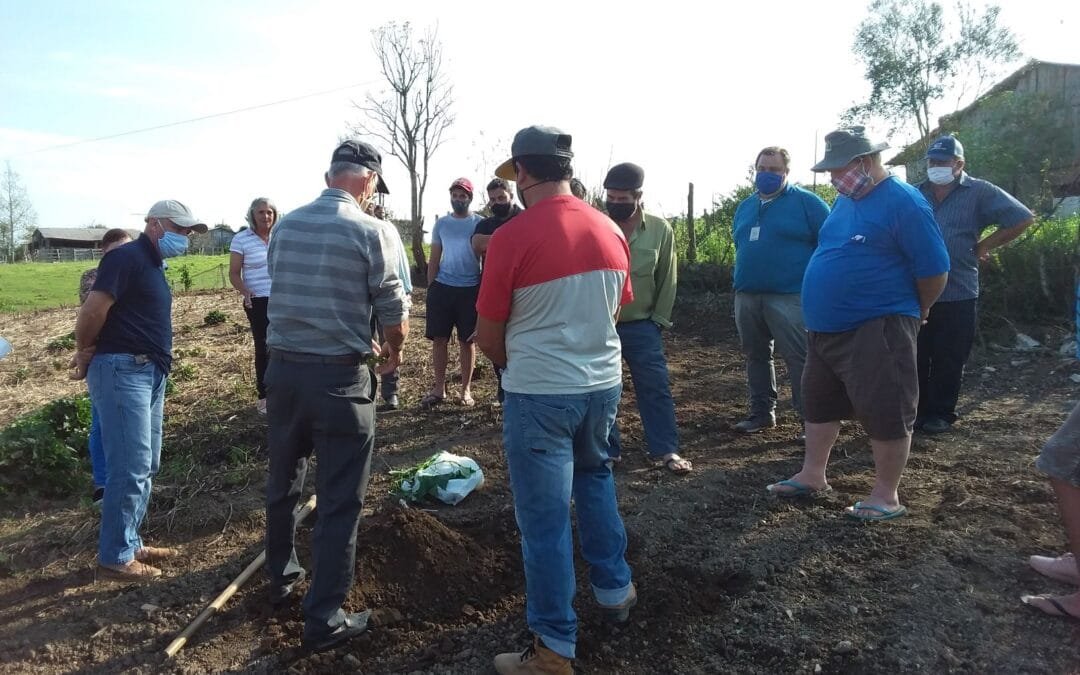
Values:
[(1060, 457), (449, 308), (868, 374)]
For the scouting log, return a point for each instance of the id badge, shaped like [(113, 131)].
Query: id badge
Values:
[(755, 232)]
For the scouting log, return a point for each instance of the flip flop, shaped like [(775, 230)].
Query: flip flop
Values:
[(430, 401), (467, 401), (672, 462), (1059, 609), (797, 489), (1051, 567), (883, 513)]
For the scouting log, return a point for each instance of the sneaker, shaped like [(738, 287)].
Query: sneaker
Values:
[(535, 660), (935, 425), (752, 425), (279, 594), (97, 496), (260, 406), (621, 612), (354, 625), (390, 403), (132, 571)]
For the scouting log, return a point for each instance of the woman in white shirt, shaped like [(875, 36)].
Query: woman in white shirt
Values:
[(249, 276)]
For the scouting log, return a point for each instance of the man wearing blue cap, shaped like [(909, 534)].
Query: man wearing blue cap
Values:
[(964, 207)]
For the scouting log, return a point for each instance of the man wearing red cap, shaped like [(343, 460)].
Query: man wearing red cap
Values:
[(453, 285)]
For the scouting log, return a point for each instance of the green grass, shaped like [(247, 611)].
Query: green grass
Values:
[(29, 286)]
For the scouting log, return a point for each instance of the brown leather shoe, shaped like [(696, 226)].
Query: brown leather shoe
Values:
[(535, 660), (152, 554), (132, 571)]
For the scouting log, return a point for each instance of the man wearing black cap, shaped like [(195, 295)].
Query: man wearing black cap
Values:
[(654, 269), (331, 266), (879, 266), (549, 319), (964, 207)]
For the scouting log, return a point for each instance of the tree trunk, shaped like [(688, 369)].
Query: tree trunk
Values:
[(418, 252), (691, 244)]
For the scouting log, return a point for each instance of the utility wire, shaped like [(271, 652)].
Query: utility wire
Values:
[(196, 119)]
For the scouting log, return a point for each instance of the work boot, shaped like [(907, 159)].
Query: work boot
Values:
[(620, 612), (754, 424), (154, 554), (131, 571), (535, 660)]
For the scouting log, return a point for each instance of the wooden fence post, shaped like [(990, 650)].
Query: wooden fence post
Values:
[(691, 246)]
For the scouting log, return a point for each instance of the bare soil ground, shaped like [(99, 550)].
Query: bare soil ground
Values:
[(731, 580)]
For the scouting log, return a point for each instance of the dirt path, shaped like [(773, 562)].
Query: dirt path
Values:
[(730, 579)]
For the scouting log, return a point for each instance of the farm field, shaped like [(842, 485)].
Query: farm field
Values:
[(731, 580)]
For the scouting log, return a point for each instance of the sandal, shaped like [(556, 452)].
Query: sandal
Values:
[(677, 465), (1055, 608), (467, 401), (431, 400)]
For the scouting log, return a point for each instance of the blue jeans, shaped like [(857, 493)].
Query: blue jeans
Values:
[(643, 350), (129, 394), (98, 466), (557, 448)]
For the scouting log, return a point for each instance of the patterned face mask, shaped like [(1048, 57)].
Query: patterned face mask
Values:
[(854, 183)]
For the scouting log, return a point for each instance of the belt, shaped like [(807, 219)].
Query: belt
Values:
[(301, 357)]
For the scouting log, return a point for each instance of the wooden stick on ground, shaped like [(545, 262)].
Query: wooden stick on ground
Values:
[(219, 602)]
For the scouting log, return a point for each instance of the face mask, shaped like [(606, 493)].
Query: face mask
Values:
[(854, 182), (500, 210), (459, 206), (172, 245), (620, 212), (768, 182), (940, 175)]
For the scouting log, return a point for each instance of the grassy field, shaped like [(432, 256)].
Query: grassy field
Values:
[(29, 286)]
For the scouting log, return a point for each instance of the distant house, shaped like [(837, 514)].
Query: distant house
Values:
[(1057, 83), (216, 240), (54, 244)]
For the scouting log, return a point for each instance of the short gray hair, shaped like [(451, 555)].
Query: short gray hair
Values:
[(341, 168)]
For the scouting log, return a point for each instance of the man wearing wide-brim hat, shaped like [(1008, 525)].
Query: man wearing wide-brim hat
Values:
[(879, 266)]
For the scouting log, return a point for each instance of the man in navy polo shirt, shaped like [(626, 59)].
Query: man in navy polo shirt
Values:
[(123, 342), (964, 207), (776, 232)]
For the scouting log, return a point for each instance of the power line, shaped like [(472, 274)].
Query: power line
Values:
[(195, 119)]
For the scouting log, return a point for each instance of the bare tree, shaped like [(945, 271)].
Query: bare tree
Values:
[(17, 214), (411, 117)]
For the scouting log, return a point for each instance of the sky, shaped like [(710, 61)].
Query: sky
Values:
[(689, 90)]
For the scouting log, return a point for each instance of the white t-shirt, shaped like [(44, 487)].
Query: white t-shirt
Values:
[(253, 250)]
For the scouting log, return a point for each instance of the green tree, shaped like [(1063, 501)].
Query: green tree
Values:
[(914, 56), (17, 216)]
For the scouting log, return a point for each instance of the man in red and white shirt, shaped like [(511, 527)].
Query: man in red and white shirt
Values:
[(557, 275)]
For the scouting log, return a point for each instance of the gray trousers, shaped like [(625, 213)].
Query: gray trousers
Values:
[(765, 319), (328, 409)]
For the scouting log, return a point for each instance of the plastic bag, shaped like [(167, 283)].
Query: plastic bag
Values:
[(445, 476)]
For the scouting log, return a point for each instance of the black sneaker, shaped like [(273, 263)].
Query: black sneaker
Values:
[(753, 425), (935, 425), (97, 496), (354, 625), (390, 403)]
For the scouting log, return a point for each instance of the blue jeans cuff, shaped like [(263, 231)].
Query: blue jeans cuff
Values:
[(563, 648), (611, 597)]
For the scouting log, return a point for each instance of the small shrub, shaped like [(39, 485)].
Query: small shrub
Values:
[(43, 451), (182, 372), (170, 386), (61, 344), (214, 317), (185, 277), (21, 374)]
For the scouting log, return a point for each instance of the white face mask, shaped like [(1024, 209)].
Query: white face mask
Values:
[(940, 175)]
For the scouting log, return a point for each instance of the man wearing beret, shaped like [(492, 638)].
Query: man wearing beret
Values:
[(331, 267), (879, 266), (964, 208), (653, 270)]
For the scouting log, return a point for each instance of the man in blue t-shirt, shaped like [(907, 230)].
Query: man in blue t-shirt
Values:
[(879, 266), (453, 286), (123, 343), (775, 232)]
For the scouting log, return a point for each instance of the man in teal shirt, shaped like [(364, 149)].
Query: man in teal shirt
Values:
[(653, 272)]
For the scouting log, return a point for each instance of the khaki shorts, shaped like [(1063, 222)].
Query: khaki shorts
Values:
[(1060, 457), (868, 374)]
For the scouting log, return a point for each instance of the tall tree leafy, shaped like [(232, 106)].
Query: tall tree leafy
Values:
[(412, 115), (17, 216), (914, 56)]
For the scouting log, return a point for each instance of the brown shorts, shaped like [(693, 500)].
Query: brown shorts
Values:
[(868, 374)]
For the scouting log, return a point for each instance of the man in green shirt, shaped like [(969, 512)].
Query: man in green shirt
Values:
[(653, 272)]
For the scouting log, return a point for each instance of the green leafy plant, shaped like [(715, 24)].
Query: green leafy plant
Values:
[(185, 277), (183, 372), (61, 344), (44, 451), (215, 317)]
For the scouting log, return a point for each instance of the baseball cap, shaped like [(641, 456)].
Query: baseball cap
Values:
[(946, 147), (463, 183), (359, 152), (179, 214), (536, 140)]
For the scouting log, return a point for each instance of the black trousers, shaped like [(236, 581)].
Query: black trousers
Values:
[(943, 349), (256, 315), (328, 409)]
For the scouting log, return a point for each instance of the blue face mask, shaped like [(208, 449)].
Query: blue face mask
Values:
[(172, 245), (768, 182)]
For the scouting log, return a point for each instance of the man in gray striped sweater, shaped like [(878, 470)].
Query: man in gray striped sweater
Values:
[(331, 266)]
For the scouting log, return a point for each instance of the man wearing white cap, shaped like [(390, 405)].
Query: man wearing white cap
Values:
[(123, 343)]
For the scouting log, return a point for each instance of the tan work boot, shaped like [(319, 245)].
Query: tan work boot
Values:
[(152, 554), (132, 571), (621, 612), (535, 660)]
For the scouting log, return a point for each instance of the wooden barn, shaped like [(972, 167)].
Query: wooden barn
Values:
[(55, 244)]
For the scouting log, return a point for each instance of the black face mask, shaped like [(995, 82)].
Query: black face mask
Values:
[(500, 210), (620, 212)]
